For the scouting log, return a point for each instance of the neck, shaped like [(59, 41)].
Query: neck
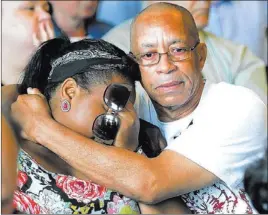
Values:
[(170, 114), (72, 26)]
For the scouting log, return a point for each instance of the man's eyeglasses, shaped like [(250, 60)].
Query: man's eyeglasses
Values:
[(106, 126), (175, 53)]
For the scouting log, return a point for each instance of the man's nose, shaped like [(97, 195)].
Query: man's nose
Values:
[(165, 64)]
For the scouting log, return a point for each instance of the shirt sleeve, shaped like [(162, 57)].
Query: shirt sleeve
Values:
[(227, 137), (120, 36)]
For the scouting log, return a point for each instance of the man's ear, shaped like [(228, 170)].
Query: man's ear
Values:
[(202, 54), (69, 89)]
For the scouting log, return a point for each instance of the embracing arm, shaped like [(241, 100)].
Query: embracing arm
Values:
[(143, 179)]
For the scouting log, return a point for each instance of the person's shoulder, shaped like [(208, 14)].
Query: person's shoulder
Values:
[(124, 28), (234, 99), (235, 109), (232, 92), (97, 29), (221, 43), (120, 35), (231, 52), (102, 24)]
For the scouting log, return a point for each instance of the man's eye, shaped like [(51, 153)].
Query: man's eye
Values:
[(178, 50), (149, 55)]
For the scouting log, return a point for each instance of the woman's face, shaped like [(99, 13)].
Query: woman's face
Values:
[(85, 107), (20, 21)]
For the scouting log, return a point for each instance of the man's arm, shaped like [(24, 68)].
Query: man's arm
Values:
[(146, 180), (143, 179)]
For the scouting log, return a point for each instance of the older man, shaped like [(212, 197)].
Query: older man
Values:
[(226, 61), (214, 131)]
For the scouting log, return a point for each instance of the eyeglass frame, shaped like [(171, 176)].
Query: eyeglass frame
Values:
[(111, 111), (135, 57)]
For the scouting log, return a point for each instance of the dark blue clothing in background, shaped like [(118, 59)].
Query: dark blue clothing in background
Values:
[(95, 29)]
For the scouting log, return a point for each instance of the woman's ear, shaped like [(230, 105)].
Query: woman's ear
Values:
[(69, 89), (202, 54)]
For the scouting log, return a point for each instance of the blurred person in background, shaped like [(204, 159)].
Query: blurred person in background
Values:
[(25, 24), (77, 19), (9, 154), (226, 61), (243, 22)]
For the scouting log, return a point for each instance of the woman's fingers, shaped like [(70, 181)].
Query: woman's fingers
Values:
[(50, 30), (45, 31), (127, 136), (36, 41)]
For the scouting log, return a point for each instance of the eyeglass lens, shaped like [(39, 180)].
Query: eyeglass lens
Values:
[(116, 96), (106, 126)]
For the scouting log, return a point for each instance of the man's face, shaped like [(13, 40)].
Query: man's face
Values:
[(79, 9), (199, 9), (168, 83)]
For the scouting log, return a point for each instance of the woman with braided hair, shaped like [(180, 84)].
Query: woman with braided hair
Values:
[(89, 86)]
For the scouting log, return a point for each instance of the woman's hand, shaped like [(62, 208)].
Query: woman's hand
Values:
[(43, 32), (29, 112), (128, 134)]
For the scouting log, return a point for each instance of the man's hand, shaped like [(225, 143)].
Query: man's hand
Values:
[(29, 111), (151, 139), (128, 134)]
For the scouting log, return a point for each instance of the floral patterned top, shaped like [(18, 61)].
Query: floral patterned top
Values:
[(43, 192), (218, 199)]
